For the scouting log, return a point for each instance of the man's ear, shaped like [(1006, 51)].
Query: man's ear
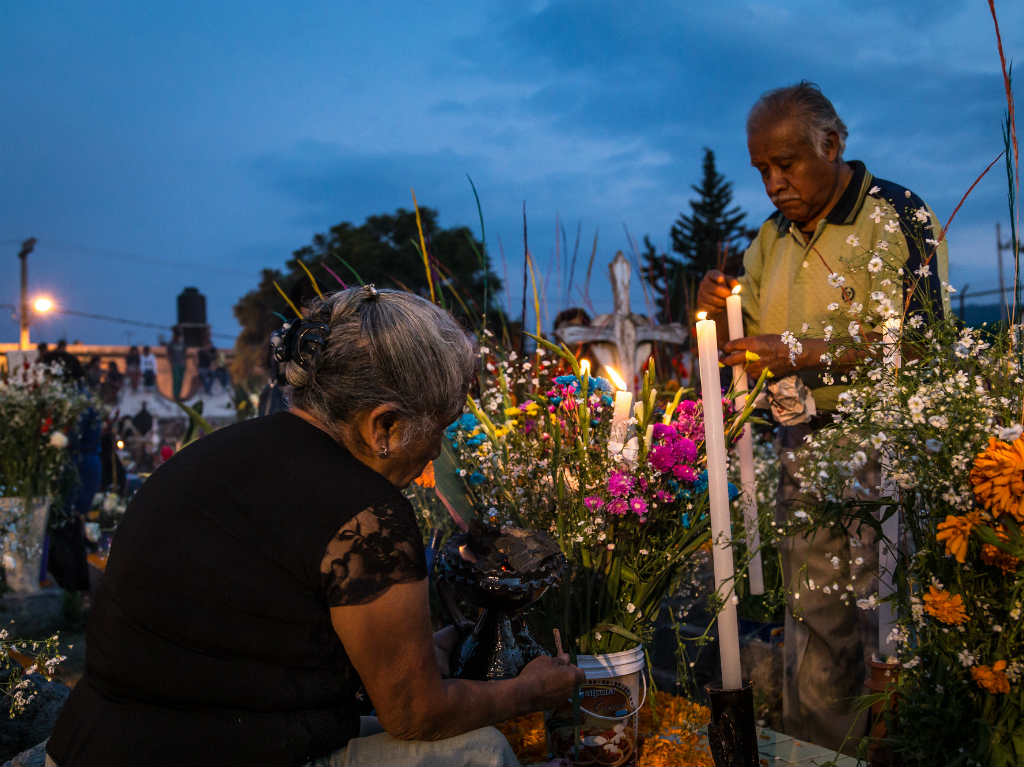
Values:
[(832, 146)]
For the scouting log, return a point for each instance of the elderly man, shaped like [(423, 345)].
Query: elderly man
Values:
[(808, 269)]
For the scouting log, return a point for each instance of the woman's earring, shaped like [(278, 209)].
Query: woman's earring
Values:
[(384, 452)]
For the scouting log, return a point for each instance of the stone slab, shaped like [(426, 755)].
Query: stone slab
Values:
[(32, 615), (779, 750)]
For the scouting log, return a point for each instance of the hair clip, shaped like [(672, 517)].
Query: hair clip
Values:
[(371, 291), (299, 341)]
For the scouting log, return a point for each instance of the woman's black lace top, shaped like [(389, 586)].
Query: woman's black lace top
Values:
[(378, 547), (210, 640)]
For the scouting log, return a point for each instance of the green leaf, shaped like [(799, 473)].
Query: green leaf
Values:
[(446, 476), (624, 633), (195, 420)]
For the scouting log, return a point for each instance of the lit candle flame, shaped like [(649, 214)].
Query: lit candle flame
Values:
[(617, 381), (701, 316), (737, 289), (584, 367)]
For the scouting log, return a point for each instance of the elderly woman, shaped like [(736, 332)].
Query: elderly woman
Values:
[(271, 577)]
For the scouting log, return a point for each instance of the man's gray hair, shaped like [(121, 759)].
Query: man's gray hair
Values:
[(385, 346), (807, 103)]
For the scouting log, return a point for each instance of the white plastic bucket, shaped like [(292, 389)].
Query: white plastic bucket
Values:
[(610, 703)]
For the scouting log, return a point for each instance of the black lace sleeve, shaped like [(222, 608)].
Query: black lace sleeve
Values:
[(379, 547)]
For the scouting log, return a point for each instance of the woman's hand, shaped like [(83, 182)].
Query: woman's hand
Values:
[(390, 643), (548, 682)]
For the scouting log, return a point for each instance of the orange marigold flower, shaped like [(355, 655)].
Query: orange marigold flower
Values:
[(998, 478), (996, 557), (992, 678), (946, 607), (955, 531), (426, 479)]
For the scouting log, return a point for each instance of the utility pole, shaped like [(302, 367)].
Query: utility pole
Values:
[(26, 248)]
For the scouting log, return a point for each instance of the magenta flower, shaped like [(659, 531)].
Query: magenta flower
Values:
[(620, 483), (684, 450), (617, 506), (664, 496), (685, 473), (638, 505), (593, 502), (662, 458), (663, 431)]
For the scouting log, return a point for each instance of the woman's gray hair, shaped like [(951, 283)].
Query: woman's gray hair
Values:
[(808, 104), (385, 346)]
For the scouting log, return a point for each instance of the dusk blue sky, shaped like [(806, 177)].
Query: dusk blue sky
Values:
[(152, 146)]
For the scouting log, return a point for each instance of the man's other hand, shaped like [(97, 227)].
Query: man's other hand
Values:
[(773, 354), (770, 351), (713, 290)]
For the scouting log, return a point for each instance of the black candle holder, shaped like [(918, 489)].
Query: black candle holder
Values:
[(501, 572), (732, 735)]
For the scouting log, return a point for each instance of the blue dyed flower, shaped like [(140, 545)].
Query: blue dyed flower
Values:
[(701, 485), (476, 478), (596, 383), (734, 492)]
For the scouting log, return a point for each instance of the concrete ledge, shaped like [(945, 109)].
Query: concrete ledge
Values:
[(32, 615)]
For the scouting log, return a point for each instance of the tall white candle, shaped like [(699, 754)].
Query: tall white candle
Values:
[(745, 449), (621, 412), (718, 489), (892, 359)]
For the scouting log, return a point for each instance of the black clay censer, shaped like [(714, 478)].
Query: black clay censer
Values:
[(501, 572)]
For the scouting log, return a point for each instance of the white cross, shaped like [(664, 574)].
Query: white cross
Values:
[(630, 340)]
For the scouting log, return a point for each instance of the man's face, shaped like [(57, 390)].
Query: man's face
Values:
[(798, 181)]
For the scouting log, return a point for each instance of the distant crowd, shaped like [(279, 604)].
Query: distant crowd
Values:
[(140, 369)]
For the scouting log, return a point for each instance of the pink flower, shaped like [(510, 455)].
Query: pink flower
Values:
[(638, 505), (617, 506), (620, 483), (662, 458), (663, 431), (684, 450), (685, 473), (664, 496), (593, 502)]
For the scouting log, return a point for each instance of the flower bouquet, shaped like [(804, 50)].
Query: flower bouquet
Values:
[(549, 446), (945, 427), (38, 410)]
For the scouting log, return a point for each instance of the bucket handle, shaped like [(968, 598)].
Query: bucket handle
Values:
[(634, 712)]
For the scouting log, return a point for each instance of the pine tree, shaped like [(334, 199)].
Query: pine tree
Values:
[(713, 234), (712, 237)]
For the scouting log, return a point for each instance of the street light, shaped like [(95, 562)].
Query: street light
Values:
[(43, 304), (26, 248)]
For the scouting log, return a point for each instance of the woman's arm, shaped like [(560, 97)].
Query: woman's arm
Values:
[(389, 642)]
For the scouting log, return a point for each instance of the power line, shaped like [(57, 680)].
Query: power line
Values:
[(123, 321), (119, 320)]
